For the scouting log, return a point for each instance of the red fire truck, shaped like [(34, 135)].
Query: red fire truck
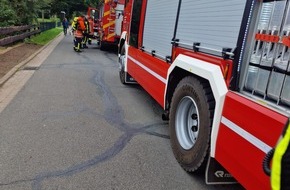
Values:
[(220, 70), (93, 18), (111, 17)]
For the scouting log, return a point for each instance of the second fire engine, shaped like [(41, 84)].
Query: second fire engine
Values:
[(111, 17)]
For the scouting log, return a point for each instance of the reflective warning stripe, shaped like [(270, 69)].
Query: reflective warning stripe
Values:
[(109, 24), (159, 77), (246, 135), (106, 13), (277, 160), (111, 35)]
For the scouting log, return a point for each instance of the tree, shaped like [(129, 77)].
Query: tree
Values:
[(25, 11), (72, 6), (43, 8), (20, 12), (7, 14)]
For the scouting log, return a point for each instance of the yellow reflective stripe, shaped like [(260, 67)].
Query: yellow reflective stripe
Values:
[(109, 24), (106, 13), (111, 35), (277, 159)]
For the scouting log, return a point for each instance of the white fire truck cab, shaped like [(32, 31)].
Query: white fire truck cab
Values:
[(220, 70)]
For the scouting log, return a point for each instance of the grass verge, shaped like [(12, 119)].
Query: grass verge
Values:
[(44, 37), (48, 20)]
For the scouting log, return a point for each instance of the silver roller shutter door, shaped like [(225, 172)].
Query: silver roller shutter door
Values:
[(159, 26), (213, 23)]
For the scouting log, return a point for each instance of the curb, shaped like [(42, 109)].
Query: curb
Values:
[(8, 75)]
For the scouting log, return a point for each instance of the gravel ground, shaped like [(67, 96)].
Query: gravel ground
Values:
[(11, 56)]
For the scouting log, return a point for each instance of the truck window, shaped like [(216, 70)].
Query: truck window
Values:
[(135, 23)]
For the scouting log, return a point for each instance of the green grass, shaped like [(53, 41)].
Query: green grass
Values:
[(45, 37), (48, 20)]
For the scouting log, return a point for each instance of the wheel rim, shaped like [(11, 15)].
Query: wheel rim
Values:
[(187, 122)]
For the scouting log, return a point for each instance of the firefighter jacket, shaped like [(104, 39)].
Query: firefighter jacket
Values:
[(79, 27), (74, 23), (78, 34), (91, 26), (87, 26), (280, 173)]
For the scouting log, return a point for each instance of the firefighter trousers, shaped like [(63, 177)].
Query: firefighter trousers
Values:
[(77, 44), (85, 40)]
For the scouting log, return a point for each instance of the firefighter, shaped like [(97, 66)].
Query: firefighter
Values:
[(91, 30), (73, 28), (280, 173), (86, 32), (78, 28), (74, 23)]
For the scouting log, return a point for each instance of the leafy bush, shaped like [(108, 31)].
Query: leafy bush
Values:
[(7, 14)]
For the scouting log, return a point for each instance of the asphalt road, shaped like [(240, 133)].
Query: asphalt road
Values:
[(73, 125)]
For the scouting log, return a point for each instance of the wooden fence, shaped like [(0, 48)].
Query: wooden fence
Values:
[(12, 34)]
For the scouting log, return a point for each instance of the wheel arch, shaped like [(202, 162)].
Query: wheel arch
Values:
[(174, 78), (184, 66), (122, 41)]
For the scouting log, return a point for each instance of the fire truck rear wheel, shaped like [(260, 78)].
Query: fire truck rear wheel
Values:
[(190, 122), (122, 65), (102, 46)]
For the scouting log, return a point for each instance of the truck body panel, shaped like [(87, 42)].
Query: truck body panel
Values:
[(111, 17), (247, 132), (148, 72)]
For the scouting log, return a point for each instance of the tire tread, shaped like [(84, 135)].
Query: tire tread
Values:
[(186, 83)]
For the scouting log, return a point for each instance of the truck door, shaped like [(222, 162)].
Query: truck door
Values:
[(148, 60), (254, 117)]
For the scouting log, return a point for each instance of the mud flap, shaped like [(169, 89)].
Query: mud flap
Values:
[(216, 174), (129, 79)]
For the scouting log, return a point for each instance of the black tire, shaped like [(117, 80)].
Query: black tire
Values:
[(121, 70), (102, 46), (191, 109)]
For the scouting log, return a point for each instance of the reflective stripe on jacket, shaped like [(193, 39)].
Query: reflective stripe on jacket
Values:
[(75, 23), (87, 30), (280, 173)]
